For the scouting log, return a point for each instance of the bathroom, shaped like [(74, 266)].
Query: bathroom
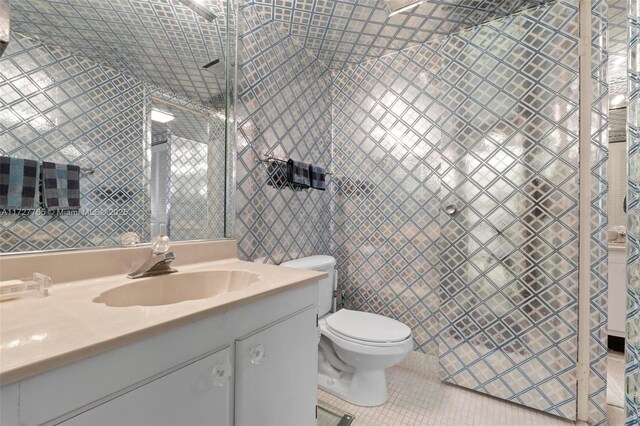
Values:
[(456, 139)]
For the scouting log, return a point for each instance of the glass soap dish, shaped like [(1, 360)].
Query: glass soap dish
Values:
[(36, 286)]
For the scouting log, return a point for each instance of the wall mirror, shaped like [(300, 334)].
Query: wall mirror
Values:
[(617, 169), (135, 94)]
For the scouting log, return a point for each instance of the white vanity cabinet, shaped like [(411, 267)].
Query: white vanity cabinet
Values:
[(192, 395), (273, 361), (200, 373)]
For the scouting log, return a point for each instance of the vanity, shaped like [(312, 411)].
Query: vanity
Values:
[(220, 342)]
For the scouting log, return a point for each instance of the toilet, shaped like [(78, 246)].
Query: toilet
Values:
[(354, 348)]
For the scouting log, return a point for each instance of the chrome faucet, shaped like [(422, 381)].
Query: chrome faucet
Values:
[(160, 261)]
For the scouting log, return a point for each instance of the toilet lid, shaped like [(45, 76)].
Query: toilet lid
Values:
[(367, 327)]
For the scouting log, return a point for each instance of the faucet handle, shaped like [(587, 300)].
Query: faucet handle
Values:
[(160, 244)]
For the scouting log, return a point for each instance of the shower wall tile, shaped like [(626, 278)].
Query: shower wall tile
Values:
[(187, 196), (63, 108), (209, 130), (503, 99), (155, 40), (632, 372), (386, 193), (283, 110), (510, 160), (343, 33), (617, 47)]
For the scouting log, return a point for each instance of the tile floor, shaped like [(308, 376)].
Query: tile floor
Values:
[(417, 397)]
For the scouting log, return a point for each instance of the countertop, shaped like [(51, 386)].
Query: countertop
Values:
[(40, 334)]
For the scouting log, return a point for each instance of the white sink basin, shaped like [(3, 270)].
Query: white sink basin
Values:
[(169, 289)]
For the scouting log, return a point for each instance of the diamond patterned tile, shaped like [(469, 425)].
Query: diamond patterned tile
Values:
[(283, 111), (99, 126), (515, 216), (342, 32), (618, 46), (155, 40), (73, 110)]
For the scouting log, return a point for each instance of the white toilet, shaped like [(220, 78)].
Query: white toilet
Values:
[(354, 347)]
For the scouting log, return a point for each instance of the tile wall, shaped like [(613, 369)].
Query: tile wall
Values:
[(386, 198), (399, 123), (187, 196), (283, 110), (59, 107), (398, 130)]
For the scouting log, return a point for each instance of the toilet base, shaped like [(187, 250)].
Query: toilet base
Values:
[(366, 388)]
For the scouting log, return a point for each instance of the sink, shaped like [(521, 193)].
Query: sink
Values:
[(169, 289)]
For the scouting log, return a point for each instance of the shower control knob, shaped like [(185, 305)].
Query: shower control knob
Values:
[(220, 374), (256, 354), (450, 209)]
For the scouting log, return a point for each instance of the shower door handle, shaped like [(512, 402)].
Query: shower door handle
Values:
[(450, 209)]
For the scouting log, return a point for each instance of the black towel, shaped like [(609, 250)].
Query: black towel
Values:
[(317, 176), (18, 183), (298, 174), (60, 186)]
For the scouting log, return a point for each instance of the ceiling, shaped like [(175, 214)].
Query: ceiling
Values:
[(162, 42), (346, 32)]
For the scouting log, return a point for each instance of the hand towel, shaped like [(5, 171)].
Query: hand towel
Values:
[(18, 183), (317, 176), (60, 186), (298, 174)]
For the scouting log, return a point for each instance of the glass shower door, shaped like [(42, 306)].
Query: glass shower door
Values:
[(509, 278)]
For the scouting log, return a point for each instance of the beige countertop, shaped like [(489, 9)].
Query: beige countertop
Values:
[(40, 334)]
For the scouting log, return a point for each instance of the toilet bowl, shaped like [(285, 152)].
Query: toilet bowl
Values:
[(355, 347)]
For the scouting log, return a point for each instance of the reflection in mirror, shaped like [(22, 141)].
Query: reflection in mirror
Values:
[(617, 173), (187, 151), (79, 82)]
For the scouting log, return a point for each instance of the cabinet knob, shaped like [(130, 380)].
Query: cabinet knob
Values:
[(220, 374), (256, 354)]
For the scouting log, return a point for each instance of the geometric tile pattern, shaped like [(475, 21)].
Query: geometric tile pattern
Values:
[(201, 125), (598, 290), (632, 398), (385, 222), (347, 32), (216, 173), (503, 118), (187, 185), (59, 107), (509, 285), (501, 103), (162, 41), (617, 47), (283, 110)]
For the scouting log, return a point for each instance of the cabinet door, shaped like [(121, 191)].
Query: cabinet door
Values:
[(196, 394), (277, 373), (9, 405)]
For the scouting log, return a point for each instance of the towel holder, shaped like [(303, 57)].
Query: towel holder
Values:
[(87, 170), (280, 160)]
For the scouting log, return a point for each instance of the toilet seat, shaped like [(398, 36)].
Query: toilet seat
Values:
[(367, 328)]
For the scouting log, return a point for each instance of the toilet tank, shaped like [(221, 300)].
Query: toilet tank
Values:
[(327, 285)]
